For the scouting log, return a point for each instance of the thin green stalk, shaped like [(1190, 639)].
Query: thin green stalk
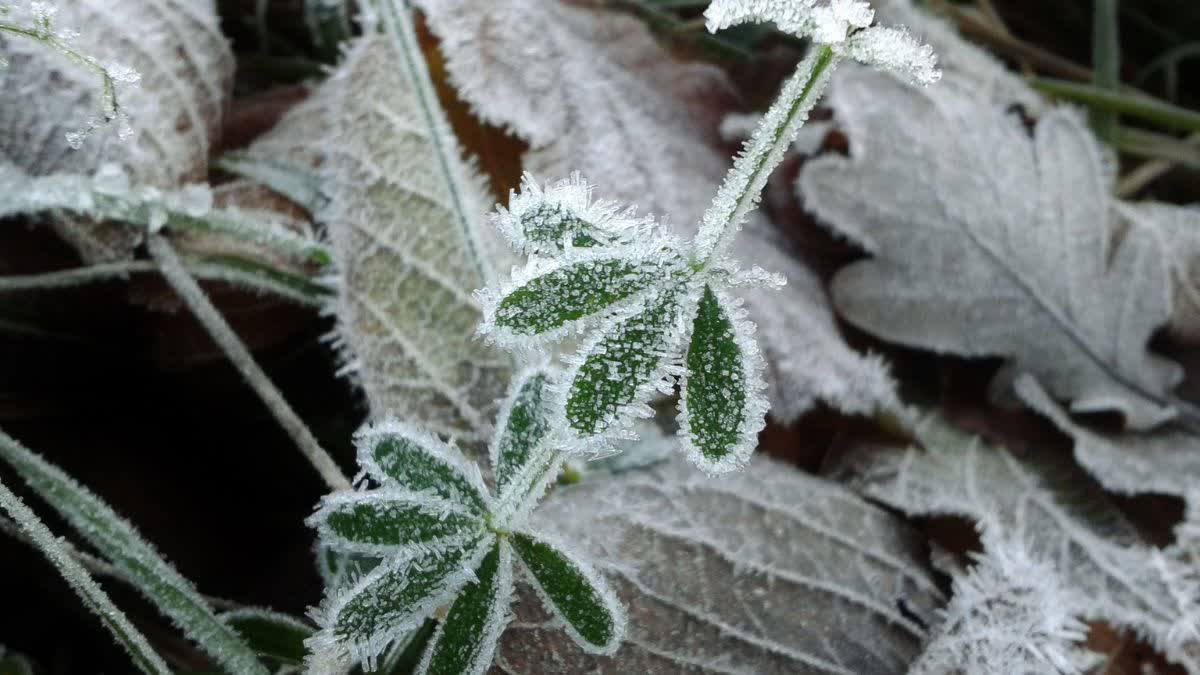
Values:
[(192, 295), (1141, 107), (1106, 65), (143, 655), (745, 181), (44, 35)]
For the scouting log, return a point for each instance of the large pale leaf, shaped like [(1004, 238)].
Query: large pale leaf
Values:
[(1000, 245), (186, 69), (405, 218), (1050, 509), (138, 561), (1178, 229), (591, 90), (765, 571)]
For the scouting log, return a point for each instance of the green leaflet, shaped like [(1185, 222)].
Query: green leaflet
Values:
[(571, 592), (715, 386), (94, 598), (548, 225), (271, 634), (366, 522), (467, 638), (399, 594), (618, 370), (117, 540), (573, 292), (420, 462), (527, 423)]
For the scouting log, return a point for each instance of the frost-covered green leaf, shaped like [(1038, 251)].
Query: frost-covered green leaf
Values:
[(93, 597), (271, 634), (615, 373), (768, 571), (139, 562), (360, 622), (1010, 239), (466, 639), (573, 591), (394, 453), (721, 386), (603, 97), (406, 219), (1054, 511), (522, 426), (175, 114), (550, 297), (547, 220), (379, 520)]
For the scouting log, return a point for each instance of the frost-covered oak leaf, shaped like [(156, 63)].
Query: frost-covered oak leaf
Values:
[(443, 541), (1050, 509), (591, 90), (767, 571), (1001, 245), (649, 313)]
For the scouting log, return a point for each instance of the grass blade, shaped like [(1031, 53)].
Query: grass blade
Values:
[(1106, 65), (143, 567)]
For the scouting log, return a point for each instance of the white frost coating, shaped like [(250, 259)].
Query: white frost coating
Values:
[(497, 619), (1014, 238), (555, 204), (1178, 231), (176, 112), (593, 91), (1051, 509), (616, 611), (428, 503), (330, 654), (366, 438), (844, 25), (82, 583), (674, 307), (754, 409), (810, 138), (406, 220), (655, 258), (1008, 614), (767, 571)]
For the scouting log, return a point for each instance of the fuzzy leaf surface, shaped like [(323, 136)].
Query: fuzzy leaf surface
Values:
[(399, 454), (175, 113), (1051, 510), (622, 367), (1002, 237), (406, 220), (594, 92), (380, 520), (768, 570), (721, 386), (523, 427), (1178, 230), (142, 565), (466, 640)]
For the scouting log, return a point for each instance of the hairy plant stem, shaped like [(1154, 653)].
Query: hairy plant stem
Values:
[(108, 88), (193, 296), (764, 151)]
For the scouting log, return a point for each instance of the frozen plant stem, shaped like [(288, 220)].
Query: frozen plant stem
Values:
[(43, 34), (763, 152), (192, 295)]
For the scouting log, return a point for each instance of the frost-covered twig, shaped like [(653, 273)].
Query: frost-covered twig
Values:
[(193, 296), (41, 30)]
